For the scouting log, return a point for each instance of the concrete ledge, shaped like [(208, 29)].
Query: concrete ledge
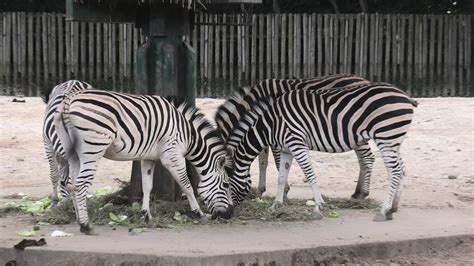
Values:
[(322, 254)]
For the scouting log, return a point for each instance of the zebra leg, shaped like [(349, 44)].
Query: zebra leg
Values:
[(147, 169), (276, 155), (176, 165), (301, 153), (285, 165), (394, 165), (53, 171), (263, 164), (366, 163)]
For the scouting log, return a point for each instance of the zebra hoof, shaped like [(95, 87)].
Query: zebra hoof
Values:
[(317, 216), (275, 206), (359, 195), (54, 202), (204, 219), (260, 191), (147, 216), (87, 229), (379, 217)]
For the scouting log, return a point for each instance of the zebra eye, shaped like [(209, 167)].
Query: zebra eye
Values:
[(225, 185), (221, 162)]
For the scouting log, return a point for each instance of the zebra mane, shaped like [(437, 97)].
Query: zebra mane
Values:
[(249, 120), (232, 105), (199, 121)]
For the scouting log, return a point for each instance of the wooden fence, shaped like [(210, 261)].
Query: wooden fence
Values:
[(427, 55)]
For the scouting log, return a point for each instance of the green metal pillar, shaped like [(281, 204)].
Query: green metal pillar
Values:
[(166, 68)]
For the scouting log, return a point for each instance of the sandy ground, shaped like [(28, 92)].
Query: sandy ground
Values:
[(438, 153)]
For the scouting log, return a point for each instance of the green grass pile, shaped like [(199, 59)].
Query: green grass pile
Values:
[(114, 209)]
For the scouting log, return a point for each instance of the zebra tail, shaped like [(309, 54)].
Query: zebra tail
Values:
[(60, 123)]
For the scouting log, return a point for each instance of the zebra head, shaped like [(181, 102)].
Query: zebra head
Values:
[(214, 187), (210, 158)]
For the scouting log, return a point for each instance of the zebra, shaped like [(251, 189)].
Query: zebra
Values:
[(328, 120), (229, 113), (58, 167), (93, 124)]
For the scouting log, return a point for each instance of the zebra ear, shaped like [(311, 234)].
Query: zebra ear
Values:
[(229, 158)]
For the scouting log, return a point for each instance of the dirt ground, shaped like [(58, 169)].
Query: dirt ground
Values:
[(438, 153)]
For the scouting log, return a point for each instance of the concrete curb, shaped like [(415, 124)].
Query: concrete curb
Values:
[(308, 256)]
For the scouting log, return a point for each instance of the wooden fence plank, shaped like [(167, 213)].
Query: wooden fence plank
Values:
[(113, 54), (3, 58), (68, 26), (121, 62), (341, 36), (468, 53), (312, 46), (8, 50), (446, 53), (290, 46), (365, 45), (395, 48), (268, 42), (388, 40), (224, 55), (402, 47), (61, 44), (297, 48), (335, 42), (357, 44), (231, 52), (253, 51), (45, 49), (453, 57), (106, 38), (460, 48), (99, 49), (239, 52), (261, 45), (30, 55), (210, 57), (325, 52), (23, 48), (37, 41), (283, 50), (15, 49), (320, 34), (53, 52), (90, 53), (217, 61), (431, 64), (202, 66), (275, 41)]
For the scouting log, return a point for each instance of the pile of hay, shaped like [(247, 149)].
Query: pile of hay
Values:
[(114, 209)]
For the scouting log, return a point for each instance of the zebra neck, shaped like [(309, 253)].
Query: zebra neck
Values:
[(203, 151), (250, 146)]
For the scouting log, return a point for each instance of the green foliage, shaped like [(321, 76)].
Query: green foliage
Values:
[(113, 209)]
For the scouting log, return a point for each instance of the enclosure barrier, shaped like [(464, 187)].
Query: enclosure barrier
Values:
[(426, 55)]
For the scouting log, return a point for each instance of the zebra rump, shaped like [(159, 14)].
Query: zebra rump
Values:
[(329, 120), (58, 166)]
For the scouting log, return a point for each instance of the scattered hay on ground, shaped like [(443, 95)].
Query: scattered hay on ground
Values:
[(114, 209)]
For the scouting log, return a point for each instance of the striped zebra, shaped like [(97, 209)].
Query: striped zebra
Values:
[(58, 167), (330, 120), (229, 113), (93, 124)]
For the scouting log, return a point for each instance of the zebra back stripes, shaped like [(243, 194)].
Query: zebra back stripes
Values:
[(329, 120), (58, 167), (230, 112), (93, 124)]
